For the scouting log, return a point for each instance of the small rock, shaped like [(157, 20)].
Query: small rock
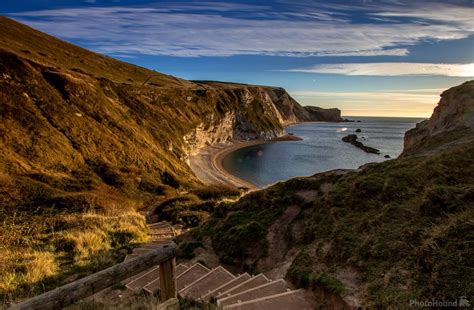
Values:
[(387, 156), (358, 130)]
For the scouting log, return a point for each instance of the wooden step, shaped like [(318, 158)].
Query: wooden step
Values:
[(226, 286), (161, 234), (153, 244), (284, 301), (130, 257), (207, 283), (138, 275), (267, 289), (258, 280), (141, 250), (161, 231), (145, 279), (153, 286), (159, 224), (159, 238), (189, 276)]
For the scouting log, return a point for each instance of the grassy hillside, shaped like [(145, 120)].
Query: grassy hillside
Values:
[(93, 140), (379, 237)]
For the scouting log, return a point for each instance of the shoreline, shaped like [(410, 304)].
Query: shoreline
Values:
[(208, 166)]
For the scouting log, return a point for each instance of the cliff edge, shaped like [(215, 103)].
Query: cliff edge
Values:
[(452, 122)]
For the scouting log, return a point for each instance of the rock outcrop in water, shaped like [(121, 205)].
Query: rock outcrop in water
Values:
[(352, 139)]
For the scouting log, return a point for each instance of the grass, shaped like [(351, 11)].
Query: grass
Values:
[(194, 208), (40, 256), (238, 230), (138, 302)]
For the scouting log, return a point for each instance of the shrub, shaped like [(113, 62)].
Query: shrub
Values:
[(216, 192), (186, 249)]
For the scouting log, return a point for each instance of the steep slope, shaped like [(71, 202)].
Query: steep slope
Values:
[(83, 133), (378, 237)]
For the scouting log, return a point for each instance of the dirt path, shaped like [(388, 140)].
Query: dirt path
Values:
[(282, 255)]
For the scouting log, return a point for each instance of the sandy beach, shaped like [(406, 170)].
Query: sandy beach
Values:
[(207, 164)]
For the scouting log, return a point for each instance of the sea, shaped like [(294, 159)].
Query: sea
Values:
[(320, 150)]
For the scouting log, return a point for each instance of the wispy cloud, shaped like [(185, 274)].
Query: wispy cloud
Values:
[(224, 29), (392, 69)]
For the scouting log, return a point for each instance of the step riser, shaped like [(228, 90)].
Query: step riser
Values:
[(152, 287), (231, 284), (272, 288), (191, 275), (284, 301), (207, 283), (253, 282), (139, 283)]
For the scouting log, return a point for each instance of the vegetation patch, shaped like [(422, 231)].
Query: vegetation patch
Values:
[(238, 230), (186, 249), (38, 253)]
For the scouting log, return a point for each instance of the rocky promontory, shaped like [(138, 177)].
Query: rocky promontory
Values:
[(320, 114), (352, 139), (454, 116)]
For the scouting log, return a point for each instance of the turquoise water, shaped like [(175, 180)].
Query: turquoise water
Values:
[(320, 150)]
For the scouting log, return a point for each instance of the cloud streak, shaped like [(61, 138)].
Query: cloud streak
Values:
[(392, 69), (207, 29)]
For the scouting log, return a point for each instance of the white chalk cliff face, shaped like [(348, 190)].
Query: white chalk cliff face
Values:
[(255, 113), (454, 113)]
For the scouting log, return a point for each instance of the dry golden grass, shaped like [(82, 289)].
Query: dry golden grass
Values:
[(65, 247), (20, 267)]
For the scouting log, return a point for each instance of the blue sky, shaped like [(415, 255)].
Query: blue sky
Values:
[(390, 58)]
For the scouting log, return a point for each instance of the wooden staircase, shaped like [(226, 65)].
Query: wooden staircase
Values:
[(153, 266), (217, 286)]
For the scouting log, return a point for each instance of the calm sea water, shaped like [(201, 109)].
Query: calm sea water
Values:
[(320, 150)]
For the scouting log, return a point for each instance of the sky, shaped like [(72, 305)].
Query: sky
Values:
[(368, 58)]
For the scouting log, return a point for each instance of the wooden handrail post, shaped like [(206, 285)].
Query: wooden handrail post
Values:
[(168, 280)]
